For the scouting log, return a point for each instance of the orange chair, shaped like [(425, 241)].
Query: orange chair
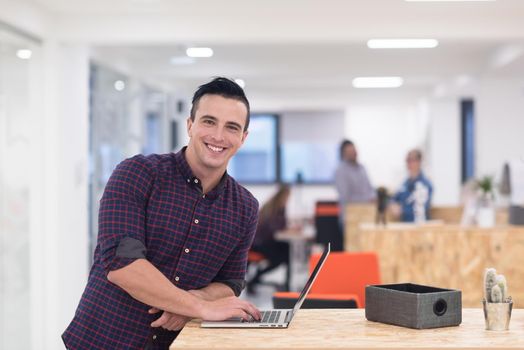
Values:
[(343, 278)]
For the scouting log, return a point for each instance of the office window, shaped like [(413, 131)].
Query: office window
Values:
[(468, 141), (256, 161), (309, 162), (309, 146)]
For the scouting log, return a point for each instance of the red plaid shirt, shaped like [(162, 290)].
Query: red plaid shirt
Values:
[(153, 207)]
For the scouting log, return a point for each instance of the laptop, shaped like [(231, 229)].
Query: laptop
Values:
[(277, 318)]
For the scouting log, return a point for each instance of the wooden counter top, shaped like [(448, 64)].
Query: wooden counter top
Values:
[(447, 256), (349, 329)]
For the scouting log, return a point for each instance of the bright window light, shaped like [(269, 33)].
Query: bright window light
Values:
[(402, 43), (240, 83), (24, 54), (377, 82), (198, 52)]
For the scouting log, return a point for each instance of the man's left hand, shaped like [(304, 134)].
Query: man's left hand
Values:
[(169, 321)]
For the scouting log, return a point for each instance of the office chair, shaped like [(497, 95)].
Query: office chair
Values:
[(327, 225), (341, 282)]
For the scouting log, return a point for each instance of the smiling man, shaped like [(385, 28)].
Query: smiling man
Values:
[(174, 231)]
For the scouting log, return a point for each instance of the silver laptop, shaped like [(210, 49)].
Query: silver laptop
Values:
[(278, 318)]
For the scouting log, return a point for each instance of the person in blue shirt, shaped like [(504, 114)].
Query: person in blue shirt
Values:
[(414, 197)]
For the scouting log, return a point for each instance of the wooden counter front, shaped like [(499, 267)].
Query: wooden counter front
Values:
[(448, 256), (349, 329)]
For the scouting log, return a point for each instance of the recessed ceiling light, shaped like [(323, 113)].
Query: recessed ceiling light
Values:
[(240, 83), (377, 82), (402, 43), (24, 54), (181, 60), (449, 0), (198, 52), (119, 85)]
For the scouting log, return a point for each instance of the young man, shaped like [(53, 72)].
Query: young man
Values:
[(416, 188), (174, 231), (351, 179)]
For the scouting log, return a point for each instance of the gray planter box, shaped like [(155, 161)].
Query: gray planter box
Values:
[(413, 305)]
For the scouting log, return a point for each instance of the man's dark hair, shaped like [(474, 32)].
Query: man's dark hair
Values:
[(343, 145), (224, 87)]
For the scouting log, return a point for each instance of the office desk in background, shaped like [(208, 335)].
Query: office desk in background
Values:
[(349, 329), (298, 240)]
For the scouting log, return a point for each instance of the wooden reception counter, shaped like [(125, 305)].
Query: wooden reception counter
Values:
[(447, 256), (349, 329)]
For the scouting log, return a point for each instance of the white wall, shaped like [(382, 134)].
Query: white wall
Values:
[(444, 154), (61, 254), (499, 124)]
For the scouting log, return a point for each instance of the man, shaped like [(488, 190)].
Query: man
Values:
[(353, 186), (414, 198), (174, 231), (351, 178)]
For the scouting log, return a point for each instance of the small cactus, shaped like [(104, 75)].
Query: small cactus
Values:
[(495, 287), (496, 294), (490, 279), (501, 283)]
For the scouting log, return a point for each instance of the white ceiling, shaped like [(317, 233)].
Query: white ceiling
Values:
[(298, 44)]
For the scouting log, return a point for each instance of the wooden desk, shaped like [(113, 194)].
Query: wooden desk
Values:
[(349, 329), (298, 254)]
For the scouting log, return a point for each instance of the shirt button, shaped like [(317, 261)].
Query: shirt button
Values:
[(186, 250), (196, 221), (154, 337), (196, 181), (188, 180), (203, 196), (177, 278)]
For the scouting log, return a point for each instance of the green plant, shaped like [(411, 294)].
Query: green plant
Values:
[(495, 287), (486, 184)]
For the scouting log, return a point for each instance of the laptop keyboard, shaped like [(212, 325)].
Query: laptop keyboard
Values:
[(271, 316)]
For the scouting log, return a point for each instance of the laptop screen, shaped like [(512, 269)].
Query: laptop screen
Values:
[(311, 279)]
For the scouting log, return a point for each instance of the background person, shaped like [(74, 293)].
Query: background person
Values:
[(272, 218), (416, 188), (351, 180)]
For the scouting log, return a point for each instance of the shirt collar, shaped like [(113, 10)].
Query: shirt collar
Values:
[(193, 181)]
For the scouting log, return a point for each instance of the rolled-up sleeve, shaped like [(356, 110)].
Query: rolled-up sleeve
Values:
[(121, 231), (233, 272)]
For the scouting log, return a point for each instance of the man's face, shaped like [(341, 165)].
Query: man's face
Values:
[(413, 164), (350, 153), (217, 132)]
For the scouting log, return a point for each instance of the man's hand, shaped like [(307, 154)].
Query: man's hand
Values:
[(169, 321), (222, 309)]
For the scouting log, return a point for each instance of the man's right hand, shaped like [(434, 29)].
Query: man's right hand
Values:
[(222, 309)]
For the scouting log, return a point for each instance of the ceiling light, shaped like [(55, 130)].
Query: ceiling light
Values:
[(378, 82), (240, 83), (402, 43), (24, 54), (181, 60), (120, 85), (199, 52), (450, 0)]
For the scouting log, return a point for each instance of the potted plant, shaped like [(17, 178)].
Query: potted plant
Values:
[(485, 204), (497, 304)]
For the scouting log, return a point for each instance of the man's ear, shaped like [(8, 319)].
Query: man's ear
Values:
[(189, 125), (244, 136)]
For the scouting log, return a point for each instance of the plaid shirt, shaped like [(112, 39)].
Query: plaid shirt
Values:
[(153, 207)]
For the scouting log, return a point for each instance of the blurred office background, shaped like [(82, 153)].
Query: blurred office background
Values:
[(85, 84)]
